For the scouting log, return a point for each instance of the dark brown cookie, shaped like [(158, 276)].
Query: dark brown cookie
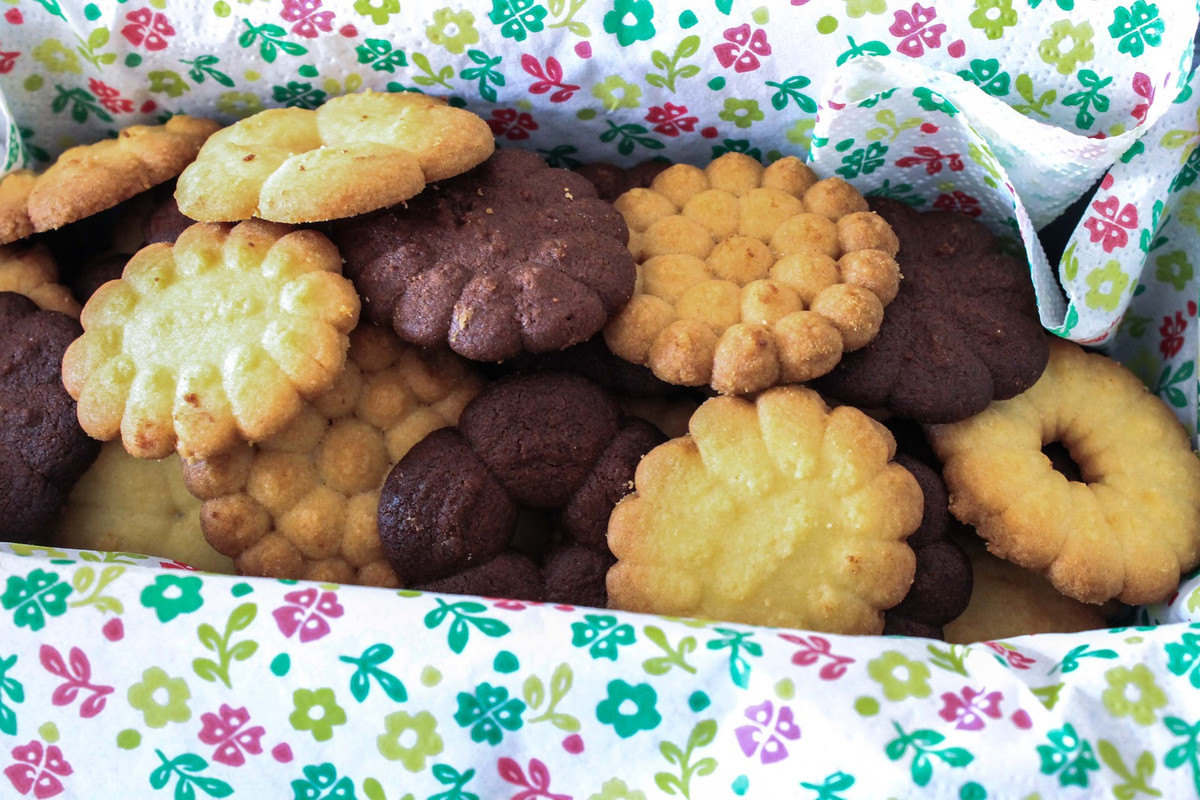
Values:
[(510, 575), (43, 451), (962, 331), (575, 575), (165, 222), (510, 257), (612, 181), (593, 360)]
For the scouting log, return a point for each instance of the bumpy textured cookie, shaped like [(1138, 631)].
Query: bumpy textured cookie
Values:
[(356, 153), (751, 277), (303, 503), (14, 205), (1128, 529), (612, 181), (216, 340), (962, 331), (1009, 601), (134, 505), (42, 449), (512, 257), (773, 512), (90, 178), (550, 442), (30, 270)]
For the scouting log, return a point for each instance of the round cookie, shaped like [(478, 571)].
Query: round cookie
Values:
[(43, 451), (777, 512), (962, 331), (215, 340), (1128, 529), (303, 503), (751, 277), (511, 257), (30, 270)]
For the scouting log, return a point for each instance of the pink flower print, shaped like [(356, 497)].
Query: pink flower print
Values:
[(307, 16), (77, 675), (177, 565), (229, 733), (1015, 659), (742, 48), (915, 31), (511, 124), (8, 60), (959, 203), (966, 710), (38, 770), (307, 613), (1112, 224), (147, 28), (813, 650), (1171, 332), (671, 120), (109, 97), (1144, 88), (763, 737)]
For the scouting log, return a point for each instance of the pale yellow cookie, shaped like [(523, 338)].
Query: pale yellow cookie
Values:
[(30, 270), (214, 341), (303, 503), (356, 153), (134, 505), (773, 512), (751, 277)]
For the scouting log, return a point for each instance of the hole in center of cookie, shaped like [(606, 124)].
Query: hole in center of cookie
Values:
[(1060, 459), (533, 534)]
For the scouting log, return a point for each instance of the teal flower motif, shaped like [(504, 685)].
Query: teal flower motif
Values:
[(321, 782), (37, 594), (172, 595), (643, 717), (639, 30), (1175, 269), (488, 713), (863, 161), (930, 100), (736, 146), (517, 18), (601, 635), (1136, 27), (1068, 756), (992, 17), (987, 75), (320, 724), (742, 113)]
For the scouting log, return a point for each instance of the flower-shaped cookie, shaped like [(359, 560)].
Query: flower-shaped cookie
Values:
[(772, 512), (90, 178), (751, 277), (356, 153), (215, 340), (303, 503), (31, 271), (511, 257)]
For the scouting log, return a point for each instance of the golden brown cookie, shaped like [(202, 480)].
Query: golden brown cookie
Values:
[(135, 505), (14, 205), (773, 512), (303, 503), (356, 153), (751, 277), (1128, 529), (215, 340), (30, 270)]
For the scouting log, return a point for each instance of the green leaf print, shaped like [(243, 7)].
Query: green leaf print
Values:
[(12, 689), (168, 81), (81, 102), (904, 192), (368, 668), (1149, 239), (212, 671), (1048, 695), (484, 73), (33, 597), (85, 579), (829, 788), (270, 41), (924, 746), (561, 156), (440, 77), (675, 656), (1034, 103), (88, 47), (465, 614), (737, 642), (630, 135), (204, 67), (185, 768), (951, 659), (534, 692), (1167, 389), (1187, 753), (1089, 99), (572, 7), (865, 49), (680, 782), (1070, 661), (671, 70), (1137, 780), (449, 776), (789, 92)]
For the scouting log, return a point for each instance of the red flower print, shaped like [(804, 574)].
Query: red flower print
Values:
[(814, 649), (959, 203), (147, 28), (549, 78), (229, 732), (1015, 659), (307, 16), (511, 124), (1171, 331), (537, 785), (932, 158), (109, 97), (763, 737), (77, 674), (742, 48), (176, 564), (915, 31), (8, 60), (37, 770), (307, 613), (965, 709), (671, 119), (1145, 89), (1111, 226)]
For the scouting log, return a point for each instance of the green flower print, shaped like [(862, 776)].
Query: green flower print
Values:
[(489, 711), (1136, 27), (316, 712), (862, 161), (1055, 52), (615, 92), (601, 634), (1150, 696), (1175, 269), (801, 133), (239, 104), (412, 756), (56, 57), (615, 789), (319, 779), (1068, 756), (630, 21), (147, 697), (452, 30), (629, 709), (172, 595), (742, 113), (377, 10), (859, 8), (987, 75), (992, 17), (930, 100), (517, 18), (1106, 286), (1187, 209), (37, 594), (899, 676)]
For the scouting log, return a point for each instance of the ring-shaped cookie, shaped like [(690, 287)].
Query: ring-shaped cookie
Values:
[(1128, 529)]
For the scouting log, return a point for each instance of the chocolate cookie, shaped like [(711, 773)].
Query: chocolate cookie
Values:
[(510, 257), (962, 331), (43, 451), (612, 181)]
